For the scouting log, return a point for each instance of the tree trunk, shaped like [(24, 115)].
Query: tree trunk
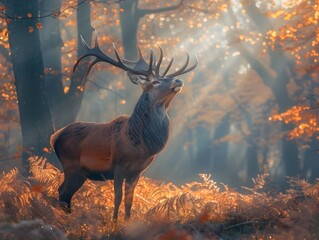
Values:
[(290, 150), (311, 161), (130, 15), (51, 43), (220, 151), (203, 150), (129, 20), (278, 85), (35, 117), (252, 162), (67, 107)]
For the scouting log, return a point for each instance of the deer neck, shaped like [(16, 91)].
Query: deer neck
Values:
[(149, 125)]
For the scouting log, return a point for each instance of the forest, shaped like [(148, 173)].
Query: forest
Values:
[(241, 161)]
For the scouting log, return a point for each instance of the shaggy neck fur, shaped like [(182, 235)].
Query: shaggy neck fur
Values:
[(149, 125)]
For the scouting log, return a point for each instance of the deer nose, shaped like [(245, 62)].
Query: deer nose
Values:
[(179, 82)]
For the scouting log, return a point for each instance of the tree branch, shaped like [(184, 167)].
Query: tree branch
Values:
[(253, 61), (259, 19), (107, 89), (142, 12), (256, 65), (201, 10), (55, 13), (208, 9), (242, 108)]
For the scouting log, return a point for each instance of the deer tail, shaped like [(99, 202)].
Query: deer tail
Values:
[(55, 136)]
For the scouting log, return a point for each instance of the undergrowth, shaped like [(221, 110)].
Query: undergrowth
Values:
[(196, 210)]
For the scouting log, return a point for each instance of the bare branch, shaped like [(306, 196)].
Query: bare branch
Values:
[(206, 10), (55, 13), (253, 61), (142, 12), (107, 89), (255, 64)]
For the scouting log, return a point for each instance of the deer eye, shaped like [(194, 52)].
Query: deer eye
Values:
[(156, 82)]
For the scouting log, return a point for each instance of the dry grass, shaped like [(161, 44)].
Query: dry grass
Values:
[(196, 210)]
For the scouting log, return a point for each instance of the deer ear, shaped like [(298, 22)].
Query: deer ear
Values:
[(134, 78)]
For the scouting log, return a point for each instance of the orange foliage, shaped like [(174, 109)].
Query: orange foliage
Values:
[(299, 33), (162, 210), (305, 122)]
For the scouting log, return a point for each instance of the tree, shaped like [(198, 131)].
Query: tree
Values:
[(68, 104), (64, 105), (43, 103), (26, 57), (130, 16), (51, 43)]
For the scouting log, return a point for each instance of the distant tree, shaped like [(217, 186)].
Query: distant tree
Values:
[(130, 16), (64, 102), (278, 84), (51, 43)]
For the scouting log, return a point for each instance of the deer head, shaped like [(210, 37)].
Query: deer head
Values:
[(161, 87)]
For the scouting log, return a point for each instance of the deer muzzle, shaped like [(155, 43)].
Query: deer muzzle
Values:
[(177, 85)]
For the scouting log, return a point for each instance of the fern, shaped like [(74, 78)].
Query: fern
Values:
[(188, 210)]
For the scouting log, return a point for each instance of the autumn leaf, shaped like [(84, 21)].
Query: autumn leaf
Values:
[(45, 149), (37, 188), (29, 15), (39, 25), (56, 13), (80, 88), (66, 89), (31, 29)]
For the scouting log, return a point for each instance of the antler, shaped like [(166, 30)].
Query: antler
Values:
[(140, 67), (97, 52), (181, 71)]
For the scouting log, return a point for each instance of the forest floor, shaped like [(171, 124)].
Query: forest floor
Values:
[(195, 210)]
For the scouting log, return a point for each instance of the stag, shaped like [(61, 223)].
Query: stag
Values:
[(126, 146)]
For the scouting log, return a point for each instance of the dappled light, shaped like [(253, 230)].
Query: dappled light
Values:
[(226, 148)]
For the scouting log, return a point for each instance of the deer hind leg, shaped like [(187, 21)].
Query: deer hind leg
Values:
[(72, 182), (118, 182), (130, 184)]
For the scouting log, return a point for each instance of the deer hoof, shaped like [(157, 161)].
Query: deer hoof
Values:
[(66, 208)]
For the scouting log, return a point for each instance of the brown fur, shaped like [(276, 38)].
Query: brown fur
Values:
[(97, 145), (98, 152)]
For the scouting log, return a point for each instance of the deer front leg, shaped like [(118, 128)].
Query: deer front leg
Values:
[(118, 182), (130, 184)]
